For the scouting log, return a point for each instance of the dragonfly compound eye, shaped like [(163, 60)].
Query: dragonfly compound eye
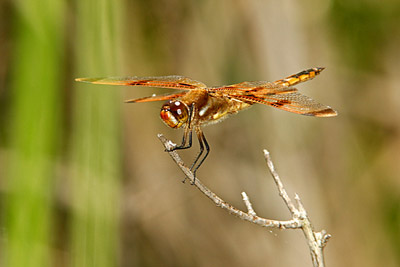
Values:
[(174, 113)]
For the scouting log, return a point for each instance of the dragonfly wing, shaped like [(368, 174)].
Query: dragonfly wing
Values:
[(173, 81), (155, 98), (257, 89), (292, 102), (246, 87)]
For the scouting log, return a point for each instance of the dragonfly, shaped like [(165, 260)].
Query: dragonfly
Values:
[(196, 105)]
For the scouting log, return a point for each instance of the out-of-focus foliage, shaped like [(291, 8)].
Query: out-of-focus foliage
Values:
[(85, 182), (34, 80)]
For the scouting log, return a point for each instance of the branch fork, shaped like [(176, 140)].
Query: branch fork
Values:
[(316, 240)]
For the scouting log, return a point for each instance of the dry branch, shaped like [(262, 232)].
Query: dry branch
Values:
[(316, 240)]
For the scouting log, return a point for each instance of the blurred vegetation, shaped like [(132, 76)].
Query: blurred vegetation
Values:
[(35, 75), (95, 138), (85, 182)]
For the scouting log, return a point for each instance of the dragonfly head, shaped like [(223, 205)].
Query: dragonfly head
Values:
[(174, 113)]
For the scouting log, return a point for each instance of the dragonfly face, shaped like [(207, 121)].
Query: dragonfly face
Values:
[(174, 113), (197, 105)]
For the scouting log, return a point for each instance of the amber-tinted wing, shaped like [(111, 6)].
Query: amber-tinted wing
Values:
[(156, 98), (262, 87), (292, 102), (279, 94), (175, 82)]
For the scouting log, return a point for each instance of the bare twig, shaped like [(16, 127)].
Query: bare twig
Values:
[(278, 182), (246, 201), (316, 240), (300, 220)]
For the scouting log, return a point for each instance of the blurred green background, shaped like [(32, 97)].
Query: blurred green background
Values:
[(84, 180)]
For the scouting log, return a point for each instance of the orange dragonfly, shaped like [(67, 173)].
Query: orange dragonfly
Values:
[(198, 105)]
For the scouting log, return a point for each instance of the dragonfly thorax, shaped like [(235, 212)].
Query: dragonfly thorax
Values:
[(174, 113)]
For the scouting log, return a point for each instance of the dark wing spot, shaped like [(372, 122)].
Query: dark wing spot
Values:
[(280, 103), (138, 82), (187, 85)]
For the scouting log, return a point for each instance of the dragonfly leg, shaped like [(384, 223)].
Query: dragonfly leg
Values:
[(196, 159), (199, 154), (187, 133), (203, 143), (183, 145)]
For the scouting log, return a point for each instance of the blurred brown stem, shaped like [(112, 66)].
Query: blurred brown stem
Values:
[(300, 220)]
